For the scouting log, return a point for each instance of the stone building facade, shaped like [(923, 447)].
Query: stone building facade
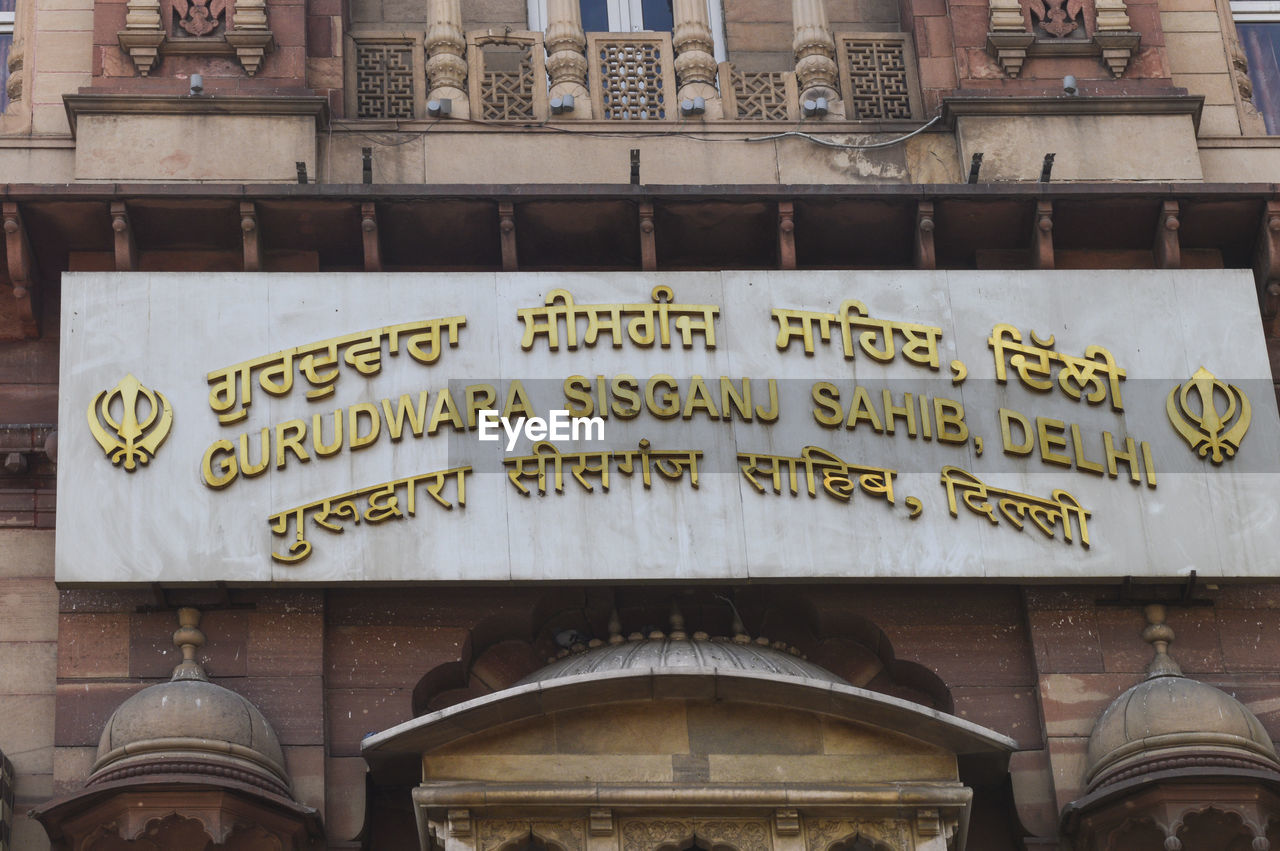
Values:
[(1134, 709)]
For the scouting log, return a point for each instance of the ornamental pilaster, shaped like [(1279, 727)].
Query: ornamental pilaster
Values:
[(446, 55), (695, 49), (815, 51), (566, 45)]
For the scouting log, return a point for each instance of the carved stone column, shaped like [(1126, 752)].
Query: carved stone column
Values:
[(143, 34), (566, 56), (446, 49), (815, 51), (249, 34), (695, 59)]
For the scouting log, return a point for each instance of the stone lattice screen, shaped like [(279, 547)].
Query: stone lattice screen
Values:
[(632, 75), (878, 76), (758, 95), (507, 78), (385, 79)]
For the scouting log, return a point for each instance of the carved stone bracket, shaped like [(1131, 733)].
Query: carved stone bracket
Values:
[(648, 244), (250, 35), (23, 273), (925, 256), (369, 231), (1166, 248), (1010, 49), (142, 46), (252, 236), (1117, 49), (507, 233), (786, 235), (126, 248), (1042, 236)]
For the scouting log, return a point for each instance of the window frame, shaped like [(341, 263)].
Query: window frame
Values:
[(8, 23), (1250, 12), (627, 16)]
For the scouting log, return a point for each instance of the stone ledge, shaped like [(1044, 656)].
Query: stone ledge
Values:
[(128, 104)]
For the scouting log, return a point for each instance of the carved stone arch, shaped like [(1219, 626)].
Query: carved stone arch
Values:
[(858, 835), (1136, 834), (167, 833), (860, 843), (1216, 827)]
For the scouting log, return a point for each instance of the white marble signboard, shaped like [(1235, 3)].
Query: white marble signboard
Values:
[(749, 425)]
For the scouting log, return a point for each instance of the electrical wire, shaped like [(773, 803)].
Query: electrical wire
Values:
[(829, 144)]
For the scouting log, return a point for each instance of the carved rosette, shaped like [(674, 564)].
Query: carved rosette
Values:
[(446, 48), (815, 51), (695, 60)]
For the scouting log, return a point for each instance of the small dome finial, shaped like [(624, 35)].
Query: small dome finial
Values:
[(615, 627), (187, 637), (1159, 635)]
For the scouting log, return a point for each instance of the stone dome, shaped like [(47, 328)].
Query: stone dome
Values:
[(190, 726), (677, 651), (1169, 721)]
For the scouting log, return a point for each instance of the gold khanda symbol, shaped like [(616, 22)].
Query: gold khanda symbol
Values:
[(1210, 431), (130, 439)]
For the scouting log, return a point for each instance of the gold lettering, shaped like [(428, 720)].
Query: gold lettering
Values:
[(289, 436), (221, 472), (249, 469), (518, 404), (445, 409), (1082, 462), (861, 409), (699, 399), (730, 400), (322, 449), (892, 412), (626, 389), (1130, 458), (355, 440), (949, 413), (670, 405), (769, 414), (416, 414), (1012, 447), (827, 397), (577, 388), (480, 397), (1051, 434), (1149, 465)]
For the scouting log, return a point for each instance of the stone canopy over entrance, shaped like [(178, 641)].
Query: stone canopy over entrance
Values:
[(680, 741)]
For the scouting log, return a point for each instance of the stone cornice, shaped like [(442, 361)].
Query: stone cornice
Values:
[(135, 104), (1005, 106)]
